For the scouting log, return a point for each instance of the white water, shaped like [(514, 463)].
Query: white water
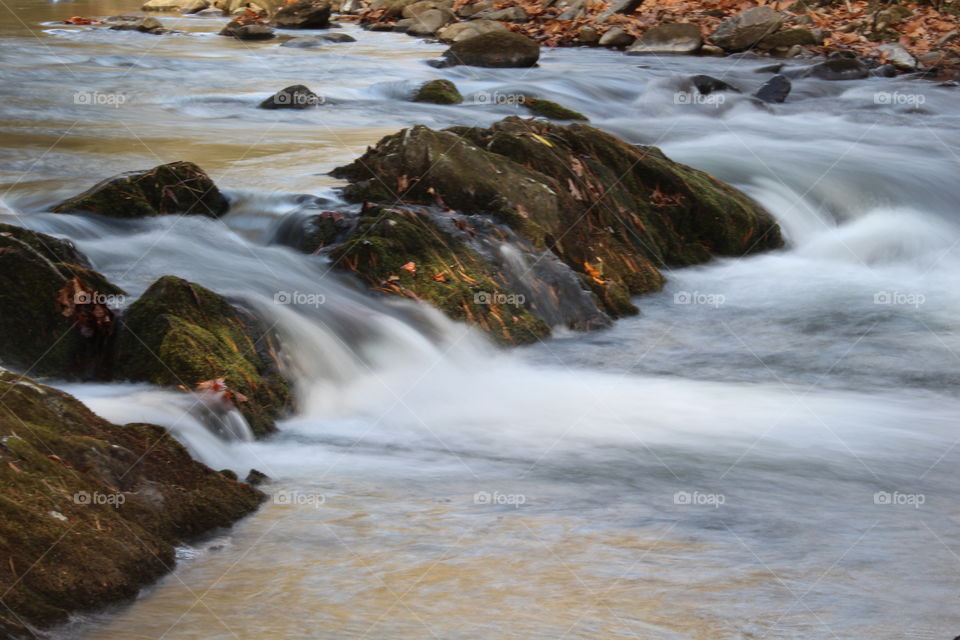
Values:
[(793, 398)]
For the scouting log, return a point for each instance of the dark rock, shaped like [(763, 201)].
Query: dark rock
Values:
[(438, 92), (144, 25), (788, 38), (338, 37), (178, 334), (770, 68), (884, 71), (679, 38), (747, 29), (229, 474), (91, 512), (776, 89), (303, 14), (494, 49), (613, 212), (708, 84), (552, 110), (242, 31), (256, 478), (175, 188), (840, 69), (293, 97)]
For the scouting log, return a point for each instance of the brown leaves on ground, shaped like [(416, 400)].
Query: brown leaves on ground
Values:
[(84, 307)]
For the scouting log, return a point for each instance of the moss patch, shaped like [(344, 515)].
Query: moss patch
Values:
[(438, 92), (552, 110)]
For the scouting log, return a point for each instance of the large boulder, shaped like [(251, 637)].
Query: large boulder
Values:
[(174, 188), (669, 38), (470, 29), (91, 512), (438, 92), (58, 313), (613, 212), (179, 334), (745, 30), (494, 49), (303, 14)]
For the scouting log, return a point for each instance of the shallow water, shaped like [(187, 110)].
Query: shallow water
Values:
[(768, 451)]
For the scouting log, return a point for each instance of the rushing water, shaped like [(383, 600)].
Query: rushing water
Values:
[(768, 451)]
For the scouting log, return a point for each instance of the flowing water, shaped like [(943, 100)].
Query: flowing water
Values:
[(768, 451)]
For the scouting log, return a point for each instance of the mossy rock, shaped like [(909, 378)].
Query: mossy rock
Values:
[(175, 188), (402, 251), (498, 49), (613, 212), (35, 335), (90, 512), (180, 334), (552, 110), (438, 92)]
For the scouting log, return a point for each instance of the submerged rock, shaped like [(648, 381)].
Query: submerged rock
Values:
[(303, 14), (174, 188), (143, 25), (179, 334), (494, 49), (58, 313), (242, 31), (91, 512), (293, 97), (438, 92), (706, 85), (613, 212), (776, 89), (840, 69)]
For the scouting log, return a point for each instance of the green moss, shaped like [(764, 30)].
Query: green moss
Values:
[(438, 92), (179, 334), (446, 273), (552, 110), (178, 187), (60, 554)]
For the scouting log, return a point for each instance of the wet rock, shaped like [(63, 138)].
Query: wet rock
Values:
[(48, 326), (229, 474), (338, 37), (293, 97), (438, 92), (174, 188), (884, 71), (466, 30), (242, 31), (898, 56), (616, 38), (430, 21), (706, 85), (840, 69), (551, 110), (303, 14), (747, 29), (678, 38), (788, 38), (304, 42), (178, 334), (776, 89), (613, 212), (496, 49), (144, 25), (256, 478), (125, 497)]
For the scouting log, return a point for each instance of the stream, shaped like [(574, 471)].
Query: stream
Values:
[(770, 450)]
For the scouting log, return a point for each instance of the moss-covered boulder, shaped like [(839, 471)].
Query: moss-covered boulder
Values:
[(177, 187), (438, 92), (179, 334), (494, 49), (56, 317), (90, 511), (404, 252), (614, 212), (551, 110)]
